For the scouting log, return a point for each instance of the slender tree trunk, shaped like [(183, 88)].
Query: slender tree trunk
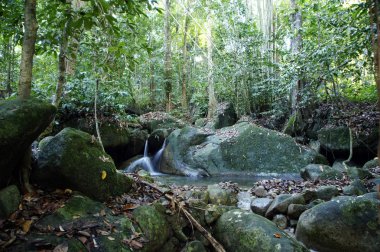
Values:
[(28, 48), (212, 103), (168, 62), (96, 114), (375, 23), (295, 46), (184, 66), (9, 66), (61, 67), (25, 81)]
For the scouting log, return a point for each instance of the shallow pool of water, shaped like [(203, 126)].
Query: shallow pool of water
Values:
[(243, 180)]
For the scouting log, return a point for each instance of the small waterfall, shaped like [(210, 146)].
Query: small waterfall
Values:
[(158, 155), (146, 162), (146, 149)]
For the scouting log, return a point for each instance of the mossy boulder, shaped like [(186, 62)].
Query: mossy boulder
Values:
[(244, 147), (21, 122), (120, 141), (343, 224), (194, 246), (371, 164), (160, 120), (221, 196), (239, 230), (83, 214), (154, 226), (74, 159), (9, 200), (336, 140)]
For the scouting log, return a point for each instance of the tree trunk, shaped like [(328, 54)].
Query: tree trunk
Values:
[(168, 63), (375, 23), (61, 67), (212, 103), (28, 48), (295, 46), (184, 66), (9, 66), (25, 81)]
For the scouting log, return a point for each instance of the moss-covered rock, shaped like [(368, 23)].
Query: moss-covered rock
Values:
[(82, 213), (238, 230), (336, 140), (371, 163), (221, 196), (327, 192), (355, 188), (154, 225), (243, 147), (74, 159), (21, 122), (343, 224), (317, 171), (9, 200)]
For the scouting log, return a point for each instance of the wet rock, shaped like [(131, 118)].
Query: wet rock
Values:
[(74, 159), (156, 139), (309, 195), (260, 205), (221, 196), (242, 231), (295, 210), (21, 122), (343, 224), (280, 221), (260, 192), (282, 202), (355, 188), (327, 192), (10, 198)]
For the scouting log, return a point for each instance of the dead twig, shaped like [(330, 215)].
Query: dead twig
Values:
[(218, 247)]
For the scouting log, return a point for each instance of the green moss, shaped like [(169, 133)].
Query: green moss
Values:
[(9, 200)]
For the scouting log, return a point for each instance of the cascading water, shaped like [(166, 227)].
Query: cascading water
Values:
[(146, 162)]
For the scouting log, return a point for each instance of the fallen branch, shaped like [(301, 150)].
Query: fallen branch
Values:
[(218, 247)]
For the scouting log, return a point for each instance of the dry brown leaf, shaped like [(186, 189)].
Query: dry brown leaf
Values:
[(135, 244), (84, 233), (82, 239), (277, 235), (26, 226)]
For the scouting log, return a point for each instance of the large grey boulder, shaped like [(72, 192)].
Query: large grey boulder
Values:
[(120, 140), (239, 230), (336, 140), (343, 224), (244, 147), (74, 159), (21, 122)]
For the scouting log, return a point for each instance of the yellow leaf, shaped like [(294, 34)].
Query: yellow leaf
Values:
[(104, 175), (26, 226)]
